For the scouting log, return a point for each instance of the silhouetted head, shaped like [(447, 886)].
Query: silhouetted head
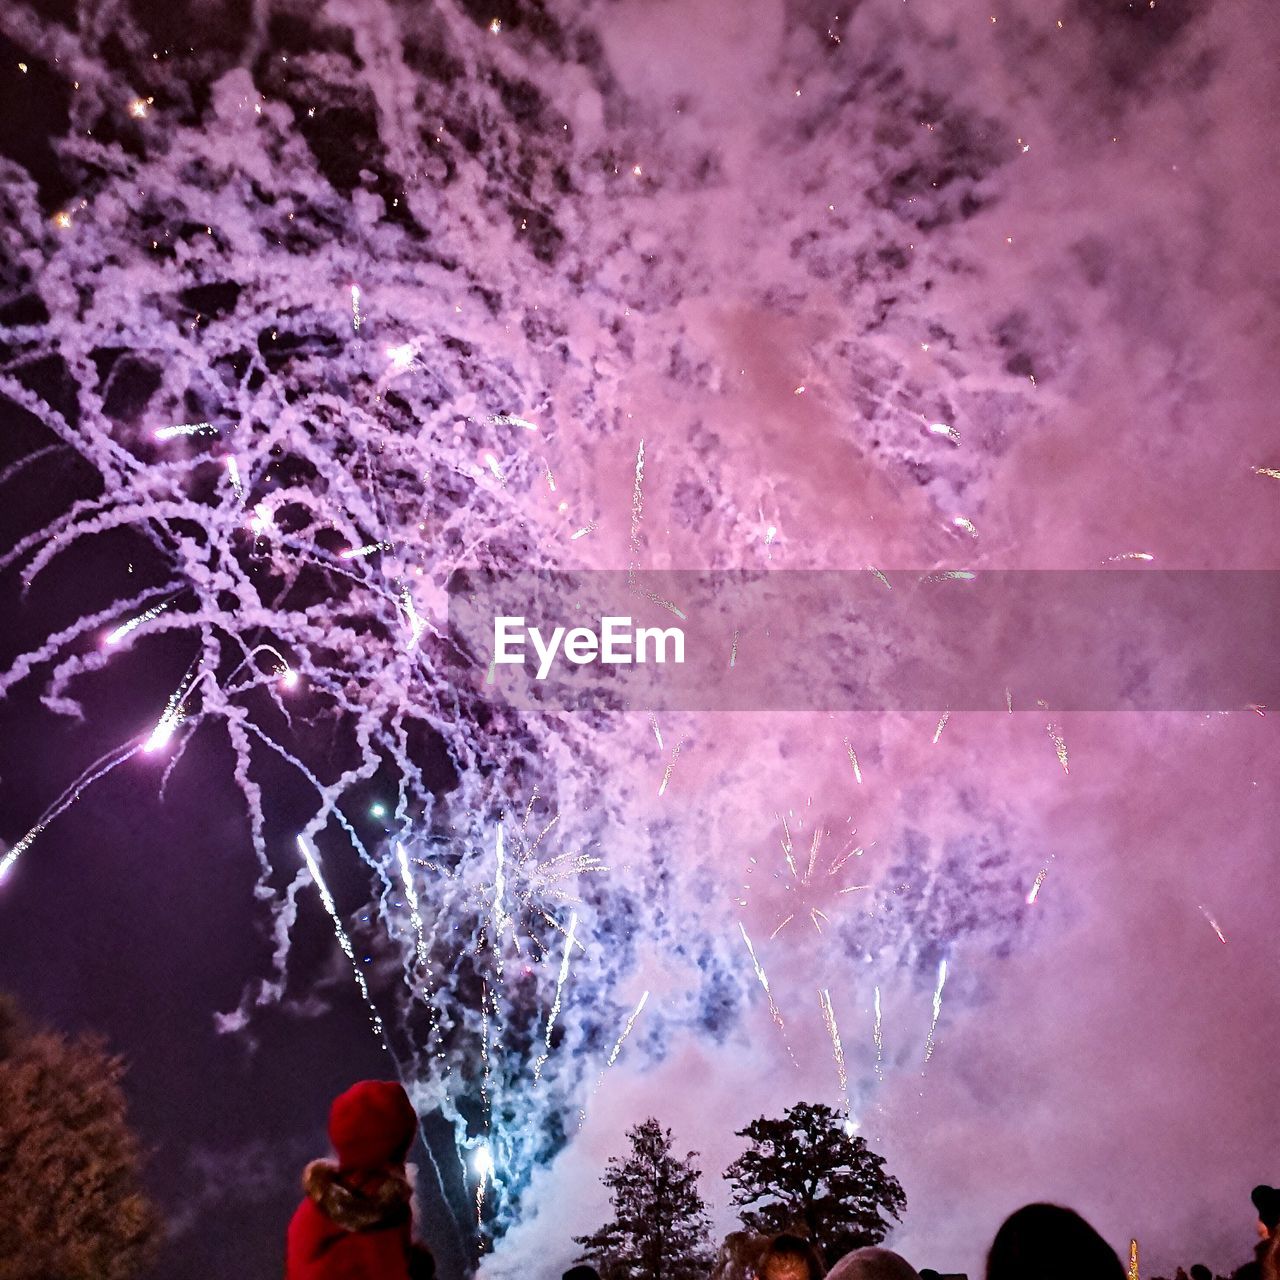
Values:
[(873, 1263), (1048, 1242), (372, 1125), (581, 1272), (790, 1257), (1266, 1200), (1200, 1272)]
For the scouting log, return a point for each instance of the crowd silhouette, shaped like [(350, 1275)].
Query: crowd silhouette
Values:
[(354, 1223)]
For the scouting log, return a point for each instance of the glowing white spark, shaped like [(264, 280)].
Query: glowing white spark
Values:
[(401, 355), (1131, 555), (878, 1036), (763, 979), (1034, 892), (582, 533), (138, 108), (492, 463), (962, 522), (416, 624), (733, 651), (354, 553), (168, 722), (510, 420), (1213, 924), (853, 760), (1273, 472), (666, 777), (829, 1016), (945, 429), (881, 576), (134, 623), (187, 429), (411, 897), (657, 733), (355, 308), (339, 932), (233, 474), (942, 724), (263, 519), (1059, 742), (626, 1031), (6, 863), (555, 1006), (937, 1008)]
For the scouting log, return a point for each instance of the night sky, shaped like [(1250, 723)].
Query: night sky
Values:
[(304, 307)]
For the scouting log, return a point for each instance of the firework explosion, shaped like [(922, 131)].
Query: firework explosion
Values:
[(295, 329)]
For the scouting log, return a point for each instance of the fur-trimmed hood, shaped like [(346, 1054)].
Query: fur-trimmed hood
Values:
[(358, 1200)]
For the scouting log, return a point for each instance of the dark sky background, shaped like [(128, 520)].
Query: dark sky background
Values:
[(920, 286)]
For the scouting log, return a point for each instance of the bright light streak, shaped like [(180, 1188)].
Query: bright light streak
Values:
[(339, 932), (1035, 888), (510, 420), (555, 1007), (187, 429), (134, 623), (937, 1008)]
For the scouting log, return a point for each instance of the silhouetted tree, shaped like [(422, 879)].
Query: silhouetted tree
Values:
[(806, 1173), (659, 1227), (71, 1207)]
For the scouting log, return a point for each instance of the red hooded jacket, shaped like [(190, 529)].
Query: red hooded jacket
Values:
[(354, 1221)]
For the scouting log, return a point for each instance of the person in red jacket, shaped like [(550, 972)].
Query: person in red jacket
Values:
[(354, 1222)]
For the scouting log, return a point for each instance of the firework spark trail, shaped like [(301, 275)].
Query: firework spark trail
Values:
[(637, 512), (763, 979), (1213, 924), (942, 724), (962, 522), (355, 308), (416, 624), (937, 1009), (1131, 555), (1034, 892), (666, 776), (944, 429), (510, 420), (187, 429), (626, 1031), (1059, 742), (415, 915), (881, 576), (829, 1016), (1267, 471), (500, 917), (853, 760), (555, 1006), (733, 651), (1133, 1260), (341, 934), (657, 733), (233, 474), (355, 553), (99, 769), (134, 623), (613, 1056), (877, 1035)]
